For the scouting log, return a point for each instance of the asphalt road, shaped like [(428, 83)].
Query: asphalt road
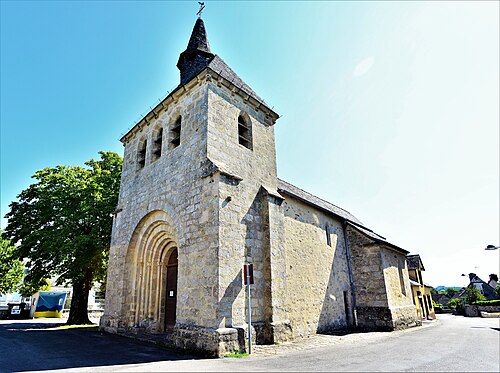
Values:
[(452, 343)]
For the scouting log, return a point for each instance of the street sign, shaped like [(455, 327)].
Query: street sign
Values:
[(248, 273)]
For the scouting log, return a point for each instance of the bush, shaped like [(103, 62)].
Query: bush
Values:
[(456, 304), (438, 307), (495, 302), (474, 295)]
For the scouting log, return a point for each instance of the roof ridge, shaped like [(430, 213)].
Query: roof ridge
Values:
[(324, 200)]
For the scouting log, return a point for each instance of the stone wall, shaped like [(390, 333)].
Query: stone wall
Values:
[(245, 224), (368, 275), (383, 292), (472, 310), (398, 288), (173, 192), (216, 202), (317, 273), (212, 198)]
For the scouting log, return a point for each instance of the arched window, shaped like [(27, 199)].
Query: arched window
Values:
[(175, 133), (141, 154), (245, 131), (158, 138)]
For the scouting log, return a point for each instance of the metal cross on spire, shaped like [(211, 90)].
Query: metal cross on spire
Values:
[(202, 6)]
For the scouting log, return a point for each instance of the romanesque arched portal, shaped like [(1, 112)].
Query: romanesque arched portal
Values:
[(151, 274)]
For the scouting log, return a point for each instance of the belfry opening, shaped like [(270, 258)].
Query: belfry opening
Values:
[(200, 197)]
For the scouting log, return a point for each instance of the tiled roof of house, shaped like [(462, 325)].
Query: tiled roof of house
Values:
[(483, 287), (415, 262)]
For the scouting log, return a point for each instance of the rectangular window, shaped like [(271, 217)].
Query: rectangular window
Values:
[(157, 144), (346, 308), (244, 132), (328, 235), (175, 136), (141, 156), (401, 266)]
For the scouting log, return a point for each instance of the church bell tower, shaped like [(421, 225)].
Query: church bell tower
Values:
[(198, 199)]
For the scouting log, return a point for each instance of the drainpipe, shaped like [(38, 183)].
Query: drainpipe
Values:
[(351, 280)]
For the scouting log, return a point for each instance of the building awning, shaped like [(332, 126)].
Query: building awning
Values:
[(414, 283)]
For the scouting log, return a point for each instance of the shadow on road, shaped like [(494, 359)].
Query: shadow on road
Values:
[(42, 346)]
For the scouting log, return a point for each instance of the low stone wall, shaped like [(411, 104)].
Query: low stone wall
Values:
[(385, 319), (374, 318), (200, 341), (475, 311), (405, 317), (269, 333), (207, 341)]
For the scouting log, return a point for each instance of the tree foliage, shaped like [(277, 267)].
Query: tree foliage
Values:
[(497, 290), (11, 268), (474, 295), (450, 292), (438, 307), (62, 225), (29, 288), (456, 304)]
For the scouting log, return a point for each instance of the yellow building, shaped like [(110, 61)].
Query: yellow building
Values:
[(420, 290)]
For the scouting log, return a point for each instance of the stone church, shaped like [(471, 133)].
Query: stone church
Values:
[(200, 197)]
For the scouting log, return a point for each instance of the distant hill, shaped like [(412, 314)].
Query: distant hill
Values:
[(441, 287)]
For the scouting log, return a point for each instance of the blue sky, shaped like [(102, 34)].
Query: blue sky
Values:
[(389, 109)]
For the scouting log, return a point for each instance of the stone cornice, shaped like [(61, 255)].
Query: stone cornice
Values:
[(206, 75)]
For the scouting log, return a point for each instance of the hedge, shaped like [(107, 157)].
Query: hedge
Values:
[(495, 302)]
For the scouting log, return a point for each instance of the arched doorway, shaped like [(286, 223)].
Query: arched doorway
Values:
[(171, 291), (151, 259)]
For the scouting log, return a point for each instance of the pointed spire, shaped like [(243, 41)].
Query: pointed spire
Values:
[(198, 40), (197, 54)]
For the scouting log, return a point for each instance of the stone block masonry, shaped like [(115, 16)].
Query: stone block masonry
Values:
[(197, 202)]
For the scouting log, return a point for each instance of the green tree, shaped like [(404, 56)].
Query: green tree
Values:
[(474, 295), (450, 292), (497, 290), (456, 304), (62, 226), (29, 288), (11, 268)]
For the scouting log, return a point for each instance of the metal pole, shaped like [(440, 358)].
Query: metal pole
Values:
[(249, 312)]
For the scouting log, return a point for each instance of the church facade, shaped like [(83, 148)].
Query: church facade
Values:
[(200, 197)]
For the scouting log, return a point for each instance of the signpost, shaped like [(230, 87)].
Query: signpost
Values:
[(248, 280)]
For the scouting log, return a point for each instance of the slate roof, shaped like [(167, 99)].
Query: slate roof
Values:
[(375, 237), (198, 39), (221, 68), (415, 262), (198, 56), (440, 298), (308, 198), (483, 287)]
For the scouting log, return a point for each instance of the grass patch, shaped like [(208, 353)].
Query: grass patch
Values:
[(237, 355), (76, 326)]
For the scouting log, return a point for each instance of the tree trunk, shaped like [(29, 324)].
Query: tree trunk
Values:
[(78, 313)]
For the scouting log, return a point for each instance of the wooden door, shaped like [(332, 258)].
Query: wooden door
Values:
[(171, 299)]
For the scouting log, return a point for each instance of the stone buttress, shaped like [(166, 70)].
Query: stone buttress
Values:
[(200, 197)]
